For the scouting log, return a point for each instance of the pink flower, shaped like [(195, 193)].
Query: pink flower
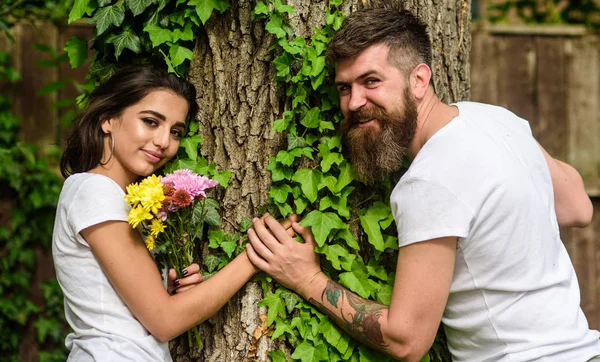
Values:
[(194, 184)]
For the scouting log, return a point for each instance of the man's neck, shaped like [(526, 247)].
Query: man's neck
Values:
[(433, 115)]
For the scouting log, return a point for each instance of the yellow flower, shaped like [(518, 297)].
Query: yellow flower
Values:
[(133, 194), (157, 227), (151, 194), (150, 242), (138, 214)]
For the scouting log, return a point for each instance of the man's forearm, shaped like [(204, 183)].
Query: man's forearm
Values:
[(360, 317)]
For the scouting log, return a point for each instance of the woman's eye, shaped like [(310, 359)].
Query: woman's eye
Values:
[(176, 133), (150, 121)]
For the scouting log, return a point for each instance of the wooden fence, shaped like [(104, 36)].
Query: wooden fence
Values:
[(551, 77)]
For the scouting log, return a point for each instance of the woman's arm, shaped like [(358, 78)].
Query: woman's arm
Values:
[(571, 203), (124, 258)]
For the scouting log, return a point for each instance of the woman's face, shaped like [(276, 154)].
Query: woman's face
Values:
[(146, 136)]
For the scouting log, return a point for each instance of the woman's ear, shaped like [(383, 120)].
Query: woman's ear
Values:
[(107, 125)]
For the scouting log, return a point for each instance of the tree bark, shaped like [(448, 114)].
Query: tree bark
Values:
[(239, 101)]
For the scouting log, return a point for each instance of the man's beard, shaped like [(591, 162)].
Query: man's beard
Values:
[(375, 153)]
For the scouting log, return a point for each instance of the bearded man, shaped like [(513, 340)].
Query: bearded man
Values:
[(478, 214)]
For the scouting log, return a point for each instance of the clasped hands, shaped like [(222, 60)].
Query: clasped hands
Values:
[(273, 249)]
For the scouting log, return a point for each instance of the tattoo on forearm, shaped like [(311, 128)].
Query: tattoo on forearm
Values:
[(361, 321)]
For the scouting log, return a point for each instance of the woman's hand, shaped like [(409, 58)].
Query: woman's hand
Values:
[(191, 278)]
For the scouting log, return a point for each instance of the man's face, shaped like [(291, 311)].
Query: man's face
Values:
[(380, 114)]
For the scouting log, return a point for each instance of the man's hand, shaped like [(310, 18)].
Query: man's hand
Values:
[(273, 250), (191, 278)]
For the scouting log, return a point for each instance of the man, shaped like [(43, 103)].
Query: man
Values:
[(478, 214)]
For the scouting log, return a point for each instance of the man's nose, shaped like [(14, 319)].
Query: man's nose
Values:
[(357, 99)]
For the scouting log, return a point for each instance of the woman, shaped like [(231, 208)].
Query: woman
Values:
[(115, 299)]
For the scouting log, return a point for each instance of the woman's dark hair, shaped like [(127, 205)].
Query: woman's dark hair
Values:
[(125, 88)]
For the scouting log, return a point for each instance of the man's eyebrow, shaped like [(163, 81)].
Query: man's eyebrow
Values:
[(362, 76), (162, 117)]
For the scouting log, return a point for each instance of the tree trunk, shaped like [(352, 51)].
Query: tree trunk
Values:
[(239, 101)]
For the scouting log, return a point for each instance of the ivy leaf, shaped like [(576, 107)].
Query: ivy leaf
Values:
[(77, 50), (309, 181), (81, 8), (376, 270), (108, 16), (245, 224), (228, 247), (180, 164), (275, 306), (281, 8), (215, 238), (179, 54), (312, 118), (306, 352), (321, 224), (138, 6), (126, 39), (291, 300), (275, 26), (185, 34), (294, 141), (284, 208), (334, 336), (158, 35), (282, 327), (278, 171), (345, 178), (370, 355), (370, 223), (338, 255), (191, 146), (204, 8), (261, 9), (328, 157), (346, 235), (212, 262), (222, 178), (357, 280), (384, 294), (301, 203), (280, 193), (283, 64), (337, 203)]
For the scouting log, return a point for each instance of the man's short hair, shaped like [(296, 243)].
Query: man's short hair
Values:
[(404, 34)]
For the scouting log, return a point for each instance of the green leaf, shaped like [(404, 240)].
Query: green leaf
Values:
[(301, 203), (126, 39), (346, 235), (370, 222), (222, 178), (280, 193), (158, 35), (191, 145), (337, 203), (204, 8), (228, 247), (306, 352), (261, 9), (138, 6), (345, 178), (283, 64), (357, 280), (384, 294), (81, 8), (180, 164), (275, 306), (322, 223), (309, 181), (294, 141), (338, 256), (281, 8), (180, 54), (278, 171), (185, 34), (212, 262), (334, 336), (277, 355), (215, 238), (77, 49), (244, 224), (51, 87), (275, 26), (106, 17), (312, 118), (291, 300)]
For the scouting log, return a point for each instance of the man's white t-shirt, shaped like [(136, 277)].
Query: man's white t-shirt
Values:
[(104, 329), (514, 294)]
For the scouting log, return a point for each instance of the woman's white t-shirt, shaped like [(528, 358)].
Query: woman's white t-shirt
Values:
[(104, 329)]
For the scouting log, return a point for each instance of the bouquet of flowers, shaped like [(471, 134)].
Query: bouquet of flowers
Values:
[(170, 212)]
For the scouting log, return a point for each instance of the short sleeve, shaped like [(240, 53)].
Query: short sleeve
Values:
[(97, 199), (425, 210)]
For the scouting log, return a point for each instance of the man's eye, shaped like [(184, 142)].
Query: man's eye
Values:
[(343, 89), (372, 81)]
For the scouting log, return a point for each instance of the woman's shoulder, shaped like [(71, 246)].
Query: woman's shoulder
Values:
[(91, 181)]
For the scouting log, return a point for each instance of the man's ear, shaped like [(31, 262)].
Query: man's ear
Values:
[(419, 80)]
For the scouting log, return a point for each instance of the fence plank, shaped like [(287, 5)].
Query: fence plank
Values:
[(583, 109)]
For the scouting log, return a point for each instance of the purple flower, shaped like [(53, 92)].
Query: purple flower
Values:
[(189, 181)]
